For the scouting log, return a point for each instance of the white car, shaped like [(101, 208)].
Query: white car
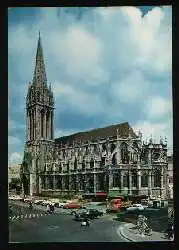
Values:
[(136, 207), (61, 204), (15, 197), (45, 203)]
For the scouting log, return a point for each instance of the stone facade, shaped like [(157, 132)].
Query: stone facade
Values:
[(104, 159), (170, 177)]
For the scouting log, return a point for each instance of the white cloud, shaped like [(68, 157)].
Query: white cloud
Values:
[(96, 71), (12, 140), (131, 88), (79, 101), (15, 158), (157, 106), (156, 130)]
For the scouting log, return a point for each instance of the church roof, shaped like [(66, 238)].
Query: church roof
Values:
[(99, 133)]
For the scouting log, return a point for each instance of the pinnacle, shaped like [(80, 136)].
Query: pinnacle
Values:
[(39, 78)]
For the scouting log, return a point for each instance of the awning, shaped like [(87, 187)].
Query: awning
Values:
[(100, 194)]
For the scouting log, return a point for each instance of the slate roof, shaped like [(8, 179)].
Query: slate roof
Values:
[(97, 134)]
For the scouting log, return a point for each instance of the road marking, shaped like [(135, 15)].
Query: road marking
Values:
[(34, 215), (22, 216), (17, 217)]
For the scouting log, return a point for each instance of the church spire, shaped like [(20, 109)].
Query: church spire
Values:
[(39, 78)]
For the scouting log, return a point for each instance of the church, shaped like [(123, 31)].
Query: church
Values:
[(109, 159)]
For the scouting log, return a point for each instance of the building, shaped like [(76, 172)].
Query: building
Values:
[(110, 159), (170, 177), (13, 173)]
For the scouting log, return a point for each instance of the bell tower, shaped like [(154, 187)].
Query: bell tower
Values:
[(39, 122), (39, 103)]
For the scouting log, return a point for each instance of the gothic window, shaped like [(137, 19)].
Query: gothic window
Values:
[(43, 182), (83, 165), (114, 160), (104, 148), (42, 123), (91, 163), (112, 147), (63, 152), (157, 178), (67, 182), (59, 182), (75, 164), (60, 168), (144, 180), (102, 161), (124, 153), (38, 96), (134, 179), (95, 148), (126, 180), (156, 156), (51, 182), (47, 123), (68, 167), (116, 180)]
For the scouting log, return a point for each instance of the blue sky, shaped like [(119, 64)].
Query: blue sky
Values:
[(107, 65)]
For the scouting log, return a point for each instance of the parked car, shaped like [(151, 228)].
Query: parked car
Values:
[(38, 202), (139, 207), (45, 203), (60, 204), (80, 216), (72, 205), (93, 213)]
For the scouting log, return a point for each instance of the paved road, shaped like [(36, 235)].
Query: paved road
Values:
[(62, 228)]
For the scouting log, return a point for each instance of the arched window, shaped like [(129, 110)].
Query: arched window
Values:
[(47, 123), (134, 179), (75, 164), (102, 161), (51, 182), (83, 165), (114, 160), (59, 182), (91, 163), (157, 178), (43, 182), (126, 180), (104, 147), (144, 180), (116, 180), (60, 168), (42, 123), (68, 168), (112, 147), (124, 153)]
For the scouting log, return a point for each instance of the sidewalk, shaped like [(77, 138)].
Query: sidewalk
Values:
[(129, 232)]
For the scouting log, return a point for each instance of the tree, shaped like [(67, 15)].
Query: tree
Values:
[(15, 184)]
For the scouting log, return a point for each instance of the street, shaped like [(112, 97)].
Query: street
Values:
[(35, 225), (62, 228)]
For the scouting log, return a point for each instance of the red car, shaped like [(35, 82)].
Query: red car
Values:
[(72, 205)]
